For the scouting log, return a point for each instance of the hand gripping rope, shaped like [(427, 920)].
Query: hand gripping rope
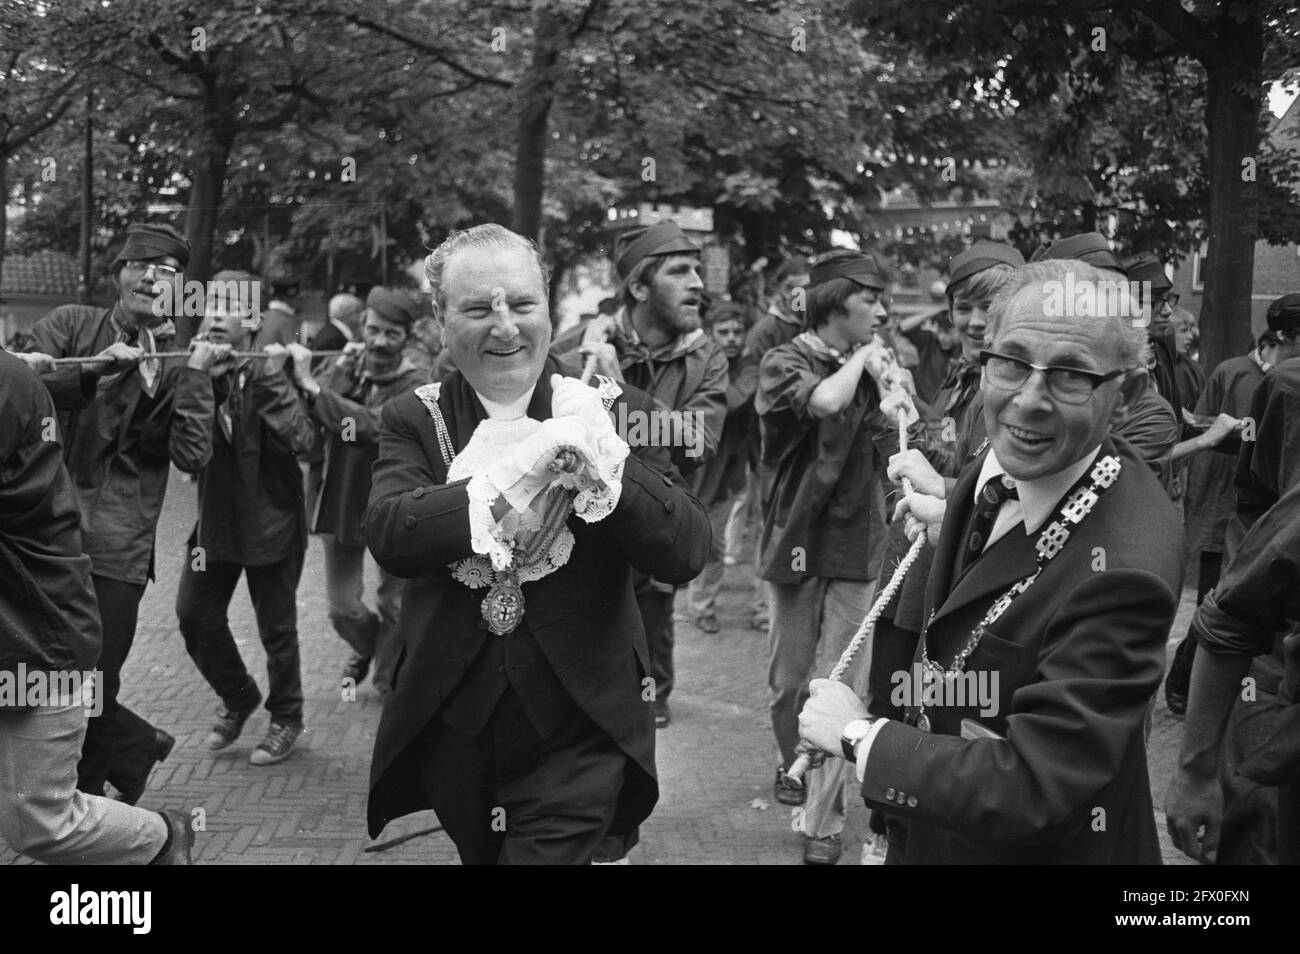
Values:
[(809, 756)]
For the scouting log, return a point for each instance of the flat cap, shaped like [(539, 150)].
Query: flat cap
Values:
[(392, 305), (1145, 267), (662, 238), (1090, 247), (1284, 314), (858, 267), (980, 256), (147, 241)]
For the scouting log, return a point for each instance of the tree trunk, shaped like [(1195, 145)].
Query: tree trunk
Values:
[(4, 212), (536, 93), (1232, 109), (201, 219)]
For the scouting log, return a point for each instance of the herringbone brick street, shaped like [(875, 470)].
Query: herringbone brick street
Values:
[(715, 760)]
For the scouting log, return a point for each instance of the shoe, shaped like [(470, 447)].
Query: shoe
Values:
[(356, 668), (229, 724), (874, 849), (663, 715), (163, 744), (180, 840), (279, 744), (822, 851), (708, 623), (786, 790), (1178, 682)]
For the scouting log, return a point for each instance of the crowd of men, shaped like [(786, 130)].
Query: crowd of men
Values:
[(541, 507)]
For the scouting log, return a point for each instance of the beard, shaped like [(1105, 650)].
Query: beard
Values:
[(676, 317)]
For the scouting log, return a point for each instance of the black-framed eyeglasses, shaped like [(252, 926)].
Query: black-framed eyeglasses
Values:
[(1067, 385), (159, 269), (1171, 299)]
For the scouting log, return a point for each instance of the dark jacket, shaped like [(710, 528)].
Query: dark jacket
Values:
[(687, 376), (723, 475), (119, 442), (1269, 465), (49, 619), (1077, 658), (251, 508), (348, 410), (583, 617)]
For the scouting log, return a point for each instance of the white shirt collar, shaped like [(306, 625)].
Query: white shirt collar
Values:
[(508, 412), (1038, 498)]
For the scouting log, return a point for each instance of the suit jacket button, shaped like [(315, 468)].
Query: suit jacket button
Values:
[(435, 698), (410, 523), (417, 493), (911, 801), (459, 663), (669, 506), (889, 794)]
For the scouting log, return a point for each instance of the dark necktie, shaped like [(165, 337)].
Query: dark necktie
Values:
[(991, 498)]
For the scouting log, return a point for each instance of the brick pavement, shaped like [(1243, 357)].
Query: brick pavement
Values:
[(715, 759)]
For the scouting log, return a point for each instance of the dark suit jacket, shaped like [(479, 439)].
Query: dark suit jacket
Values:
[(1078, 657), (583, 616)]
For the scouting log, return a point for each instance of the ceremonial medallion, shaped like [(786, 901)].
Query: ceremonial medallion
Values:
[(923, 721), (503, 607)]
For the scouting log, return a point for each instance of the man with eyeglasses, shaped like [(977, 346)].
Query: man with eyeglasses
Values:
[(1052, 590), (125, 419)]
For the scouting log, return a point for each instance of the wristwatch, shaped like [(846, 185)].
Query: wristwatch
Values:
[(854, 733)]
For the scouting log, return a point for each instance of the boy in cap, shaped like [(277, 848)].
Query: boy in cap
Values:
[(657, 345), (251, 520), (819, 406), (125, 420), (347, 401)]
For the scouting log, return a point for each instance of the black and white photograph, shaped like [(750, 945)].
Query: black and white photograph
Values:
[(650, 432)]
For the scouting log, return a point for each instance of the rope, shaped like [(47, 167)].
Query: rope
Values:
[(161, 355), (810, 757)]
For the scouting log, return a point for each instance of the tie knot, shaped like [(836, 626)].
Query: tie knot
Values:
[(1000, 489)]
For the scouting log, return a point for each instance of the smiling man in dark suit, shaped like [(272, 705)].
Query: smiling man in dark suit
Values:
[(1054, 584), (522, 708)]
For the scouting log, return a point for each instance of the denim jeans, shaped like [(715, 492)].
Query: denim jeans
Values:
[(202, 603), (44, 816), (812, 623)]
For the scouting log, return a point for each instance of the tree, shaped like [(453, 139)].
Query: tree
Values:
[(1055, 53)]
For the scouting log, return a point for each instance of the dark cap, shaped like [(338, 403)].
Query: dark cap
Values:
[(1284, 314), (1090, 247), (147, 242), (980, 256), (392, 305), (662, 238), (858, 267), (1145, 267)]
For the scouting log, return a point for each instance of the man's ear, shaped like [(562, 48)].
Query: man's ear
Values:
[(640, 290)]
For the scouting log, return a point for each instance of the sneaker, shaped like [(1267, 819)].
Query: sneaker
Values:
[(707, 622), (788, 791), (822, 851), (356, 668), (279, 744), (229, 724), (874, 849)]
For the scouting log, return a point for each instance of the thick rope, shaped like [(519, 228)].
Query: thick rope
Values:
[(144, 356), (810, 757)]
